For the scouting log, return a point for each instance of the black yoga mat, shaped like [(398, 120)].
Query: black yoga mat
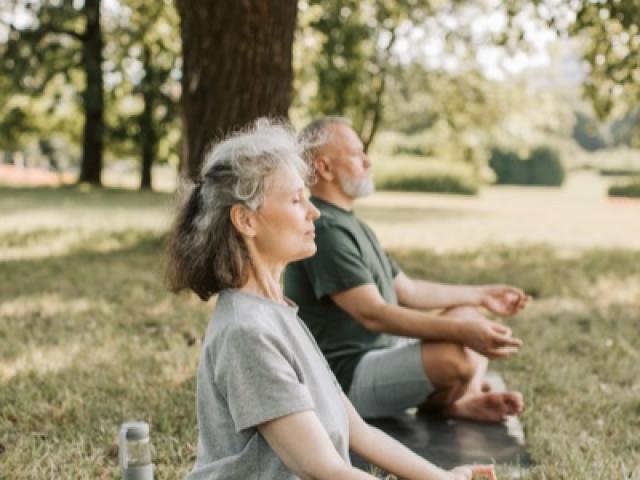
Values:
[(449, 443)]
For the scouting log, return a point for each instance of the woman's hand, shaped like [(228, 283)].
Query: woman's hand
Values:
[(484, 472), (460, 473), (477, 472)]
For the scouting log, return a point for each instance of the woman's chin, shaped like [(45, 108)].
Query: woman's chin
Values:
[(307, 252)]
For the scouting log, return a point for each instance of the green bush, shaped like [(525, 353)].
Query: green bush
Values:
[(545, 167), (510, 169), (426, 183), (418, 150), (410, 173), (627, 189), (618, 172), (542, 167)]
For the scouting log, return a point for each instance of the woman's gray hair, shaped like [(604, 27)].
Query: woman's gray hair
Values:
[(205, 252)]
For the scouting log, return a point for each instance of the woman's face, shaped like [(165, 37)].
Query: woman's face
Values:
[(284, 224)]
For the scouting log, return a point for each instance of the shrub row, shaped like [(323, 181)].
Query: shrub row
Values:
[(425, 176), (428, 183), (626, 189)]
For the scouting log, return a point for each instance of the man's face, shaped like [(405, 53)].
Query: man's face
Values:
[(350, 163)]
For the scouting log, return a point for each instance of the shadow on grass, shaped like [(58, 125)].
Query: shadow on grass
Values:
[(55, 425), (90, 339), (541, 270), (86, 295)]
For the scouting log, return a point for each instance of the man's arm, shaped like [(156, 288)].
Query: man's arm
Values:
[(366, 305), (421, 294)]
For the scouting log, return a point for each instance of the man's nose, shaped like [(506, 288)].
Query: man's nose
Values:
[(366, 161)]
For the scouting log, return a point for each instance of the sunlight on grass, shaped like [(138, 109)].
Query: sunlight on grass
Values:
[(610, 289), (579, 215), (47, 304), (41, 244), (41, 360), (560, 306)]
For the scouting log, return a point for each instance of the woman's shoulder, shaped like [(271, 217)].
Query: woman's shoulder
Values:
[(239, 313)]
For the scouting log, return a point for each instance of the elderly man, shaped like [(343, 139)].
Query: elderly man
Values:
[(359, 305)]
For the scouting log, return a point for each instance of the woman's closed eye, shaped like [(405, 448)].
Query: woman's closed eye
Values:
[(298, 198)]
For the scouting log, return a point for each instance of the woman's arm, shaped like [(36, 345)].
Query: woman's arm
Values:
[(382, 450), (304, 446)]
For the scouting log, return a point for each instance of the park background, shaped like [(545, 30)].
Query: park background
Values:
[(505, 143)]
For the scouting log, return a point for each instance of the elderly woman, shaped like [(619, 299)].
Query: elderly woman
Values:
[(268, 405)]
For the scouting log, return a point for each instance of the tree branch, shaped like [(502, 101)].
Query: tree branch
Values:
[(63, 31)]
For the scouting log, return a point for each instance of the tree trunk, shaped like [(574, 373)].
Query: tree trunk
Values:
[(377, 104), (93, 95), (237, 67), (148, 137), (377, 113)]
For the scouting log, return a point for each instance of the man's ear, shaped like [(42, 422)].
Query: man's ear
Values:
[(323, 168), (243, 220)]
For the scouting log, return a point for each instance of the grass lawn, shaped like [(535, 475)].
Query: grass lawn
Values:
[(89, 337)]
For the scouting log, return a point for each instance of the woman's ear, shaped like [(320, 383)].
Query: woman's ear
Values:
[(243, 220), (322, 168)]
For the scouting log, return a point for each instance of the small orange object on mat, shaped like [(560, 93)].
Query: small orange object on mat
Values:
[(484, 472)]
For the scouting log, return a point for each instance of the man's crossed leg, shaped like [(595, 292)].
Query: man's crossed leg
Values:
[(433, 376)]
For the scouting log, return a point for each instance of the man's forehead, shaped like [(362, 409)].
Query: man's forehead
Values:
[(343, 133)]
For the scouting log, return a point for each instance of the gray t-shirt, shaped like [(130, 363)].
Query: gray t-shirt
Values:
[(259, 362)]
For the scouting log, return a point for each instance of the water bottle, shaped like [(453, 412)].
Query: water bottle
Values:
[(134, 450)]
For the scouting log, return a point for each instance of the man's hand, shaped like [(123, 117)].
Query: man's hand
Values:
[(503, 300), (488, 338)]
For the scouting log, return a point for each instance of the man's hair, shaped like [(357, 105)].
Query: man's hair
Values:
[(317, 134)]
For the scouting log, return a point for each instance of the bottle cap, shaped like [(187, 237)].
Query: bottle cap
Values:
[(137, 430)]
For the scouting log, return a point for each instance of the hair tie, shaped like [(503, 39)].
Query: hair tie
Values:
[(197, 185)]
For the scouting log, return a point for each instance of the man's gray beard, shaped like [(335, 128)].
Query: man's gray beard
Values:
[(360, 189)]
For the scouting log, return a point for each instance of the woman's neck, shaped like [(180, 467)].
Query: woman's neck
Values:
[(263, 289), (265, 281)]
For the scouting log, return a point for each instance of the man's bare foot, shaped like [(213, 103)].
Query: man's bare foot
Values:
[(490, 407)]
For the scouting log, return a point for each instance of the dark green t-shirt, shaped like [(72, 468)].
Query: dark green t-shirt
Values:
[(349, 254)]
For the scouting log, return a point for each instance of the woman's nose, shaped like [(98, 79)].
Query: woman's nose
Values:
[(312, 211)]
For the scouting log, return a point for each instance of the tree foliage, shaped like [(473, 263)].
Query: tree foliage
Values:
[(55, 71), (588, 132), (145, 65), (611, 30), (353, 55), (57, 42)]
